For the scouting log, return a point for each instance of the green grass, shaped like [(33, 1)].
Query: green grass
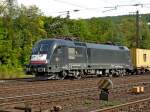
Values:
[(88, 102), (7, 72), (109, 103)]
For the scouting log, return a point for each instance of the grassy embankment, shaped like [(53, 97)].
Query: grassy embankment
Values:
[(11, 72)]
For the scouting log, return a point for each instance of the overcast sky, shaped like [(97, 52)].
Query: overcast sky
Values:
[(88, 8)]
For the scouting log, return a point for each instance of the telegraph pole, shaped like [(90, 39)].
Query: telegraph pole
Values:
[(68, 15), (137, 35), (137, 29)]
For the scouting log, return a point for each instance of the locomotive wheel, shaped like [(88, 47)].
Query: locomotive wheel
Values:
[(79, 77), (79, 74), (110, 75), (62, 75), (123, 73)]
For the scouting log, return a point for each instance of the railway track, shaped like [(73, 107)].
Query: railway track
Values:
[(135, 106), (62, 91), (63, 95), (26, 86), (15, 81), (54, 86), (30, 82)]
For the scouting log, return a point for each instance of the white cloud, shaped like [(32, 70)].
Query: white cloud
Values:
[(52, 7)]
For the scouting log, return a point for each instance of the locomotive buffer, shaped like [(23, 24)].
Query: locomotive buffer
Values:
[(104, 86)]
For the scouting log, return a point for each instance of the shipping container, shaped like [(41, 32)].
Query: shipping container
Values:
[(140, 58)]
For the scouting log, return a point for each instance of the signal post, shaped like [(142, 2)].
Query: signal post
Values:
[(104, 85)]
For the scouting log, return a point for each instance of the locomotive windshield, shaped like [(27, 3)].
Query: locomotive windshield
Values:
[(41, 48)]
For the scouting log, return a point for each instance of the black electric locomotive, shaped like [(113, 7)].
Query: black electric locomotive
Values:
[(59, 58)]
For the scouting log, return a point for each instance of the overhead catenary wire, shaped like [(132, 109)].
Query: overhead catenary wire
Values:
[(137, 17), (125, 5), (82, 8), (69, 3)]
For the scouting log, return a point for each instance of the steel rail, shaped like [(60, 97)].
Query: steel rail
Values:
[(37, 79), (114, 89), (122, 105), (51, 95), (66, 84), (59, 93)]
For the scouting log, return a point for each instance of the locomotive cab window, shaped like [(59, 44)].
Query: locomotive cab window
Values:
[(40, 48), (44, 48), (144, 57), (58, 50)]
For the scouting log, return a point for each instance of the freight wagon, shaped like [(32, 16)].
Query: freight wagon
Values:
[(140, 60)]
